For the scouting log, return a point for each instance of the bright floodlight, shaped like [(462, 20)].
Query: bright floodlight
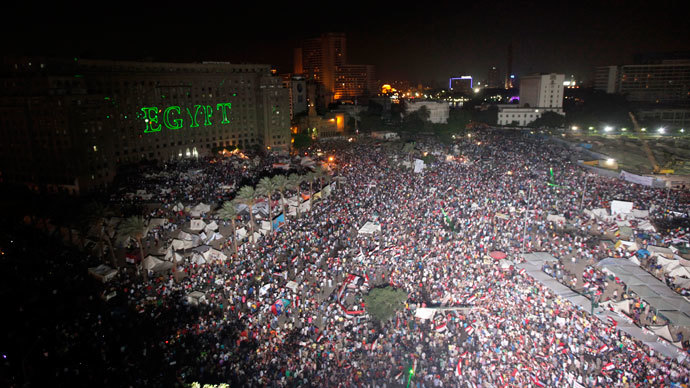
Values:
[(608, 129), (574, 127), (682, 130), (662, 130), (643, 129), (610, 161)]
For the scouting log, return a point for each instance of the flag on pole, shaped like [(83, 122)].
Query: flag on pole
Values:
[(458, 368), (603, 348), (608, 367)]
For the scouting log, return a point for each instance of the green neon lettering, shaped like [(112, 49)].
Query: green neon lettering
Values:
[(177, 123), (193, 116), (223, 106), (151, 117), (207, 115)]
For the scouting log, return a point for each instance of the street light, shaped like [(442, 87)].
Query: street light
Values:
[(608, 129), (574, 128), (662, 130)]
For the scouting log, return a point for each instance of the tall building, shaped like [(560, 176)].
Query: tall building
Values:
[(324, 60), (606, 79), (539, 93), (461, 84), (666, 82), (354, 81), (542, 91), (494, 78), (297, 87), (68, 124), (509, 73)]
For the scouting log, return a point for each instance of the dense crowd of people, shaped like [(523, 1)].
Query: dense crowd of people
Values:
[(289, 311)]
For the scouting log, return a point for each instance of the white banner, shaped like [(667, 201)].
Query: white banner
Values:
[(639, 179)]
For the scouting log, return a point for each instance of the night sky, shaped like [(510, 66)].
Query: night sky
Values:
[(417, 43)]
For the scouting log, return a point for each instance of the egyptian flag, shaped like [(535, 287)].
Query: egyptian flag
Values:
[(608, 367), (440, 328), (458, 368), (521, 271), (469, 330), (613, 321), (603, 348), (537, 382), (320, 337), (472, 299)]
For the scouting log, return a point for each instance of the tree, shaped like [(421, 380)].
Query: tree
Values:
[(135, 227), (281, 183), (266, 187), (310, 177), (295, 183), (549, 120), (301, 141), (229, 212), (381, 303), (247, 195), (98, 214)]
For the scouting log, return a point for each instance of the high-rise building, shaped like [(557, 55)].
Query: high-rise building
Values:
[(666, 82), (461, 84), (324, 60), (542, 91), (68, 124), (354, 81), (538, 94), (297, 87), (509, 74), (494, 78)]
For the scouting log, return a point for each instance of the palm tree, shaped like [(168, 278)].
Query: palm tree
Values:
[(135, 227), (266, 187), (295, 183), (247, 196), (281, 182), (97, 214), (320, 173), (229, 212), (311, 176)]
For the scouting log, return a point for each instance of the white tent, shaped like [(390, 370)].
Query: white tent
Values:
[(661, 251), (265, 225), (559, 219), (241, 233), (103, 273), (173, 256), (505, 264), (182, 235), (418, 165), (630, 245), (683, 272), (195, 297), (622, 306), (199, 209), (369, 228), (197, 225), (646, 226), (634, 259), (212, 227), (667, 264), (621, 207), (424, 313), (681, 282), (198, 259), (150, 262), (212, 255), (640, 213), (214, 236), (663, 332), (179, 207), (305, 206)]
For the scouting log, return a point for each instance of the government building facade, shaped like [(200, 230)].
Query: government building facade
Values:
[(68, 124)]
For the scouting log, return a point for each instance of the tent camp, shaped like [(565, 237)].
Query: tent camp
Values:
[(199, 209), (197, 225), (150, 262), (195, 297), (212, 227), (103, 273), (369, 228), (621, 207), (173, 256), (214, 255), (680, 271), (663, 251)]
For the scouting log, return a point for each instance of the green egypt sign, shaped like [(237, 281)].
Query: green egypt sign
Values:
[(173, 118)]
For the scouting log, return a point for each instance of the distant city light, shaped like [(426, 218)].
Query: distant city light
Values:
[(682, 130), (574, 128), (643, 129), (624, 129), (591, 128), (476, 90)]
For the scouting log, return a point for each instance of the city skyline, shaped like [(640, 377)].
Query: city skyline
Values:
[(428, 44)]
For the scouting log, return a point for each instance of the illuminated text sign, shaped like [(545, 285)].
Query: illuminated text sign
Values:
[(174, 118)]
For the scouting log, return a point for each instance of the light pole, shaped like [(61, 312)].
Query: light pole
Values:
[(582, 200), (524, 229)]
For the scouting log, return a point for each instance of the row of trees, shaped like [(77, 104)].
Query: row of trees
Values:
[(266, 188)]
